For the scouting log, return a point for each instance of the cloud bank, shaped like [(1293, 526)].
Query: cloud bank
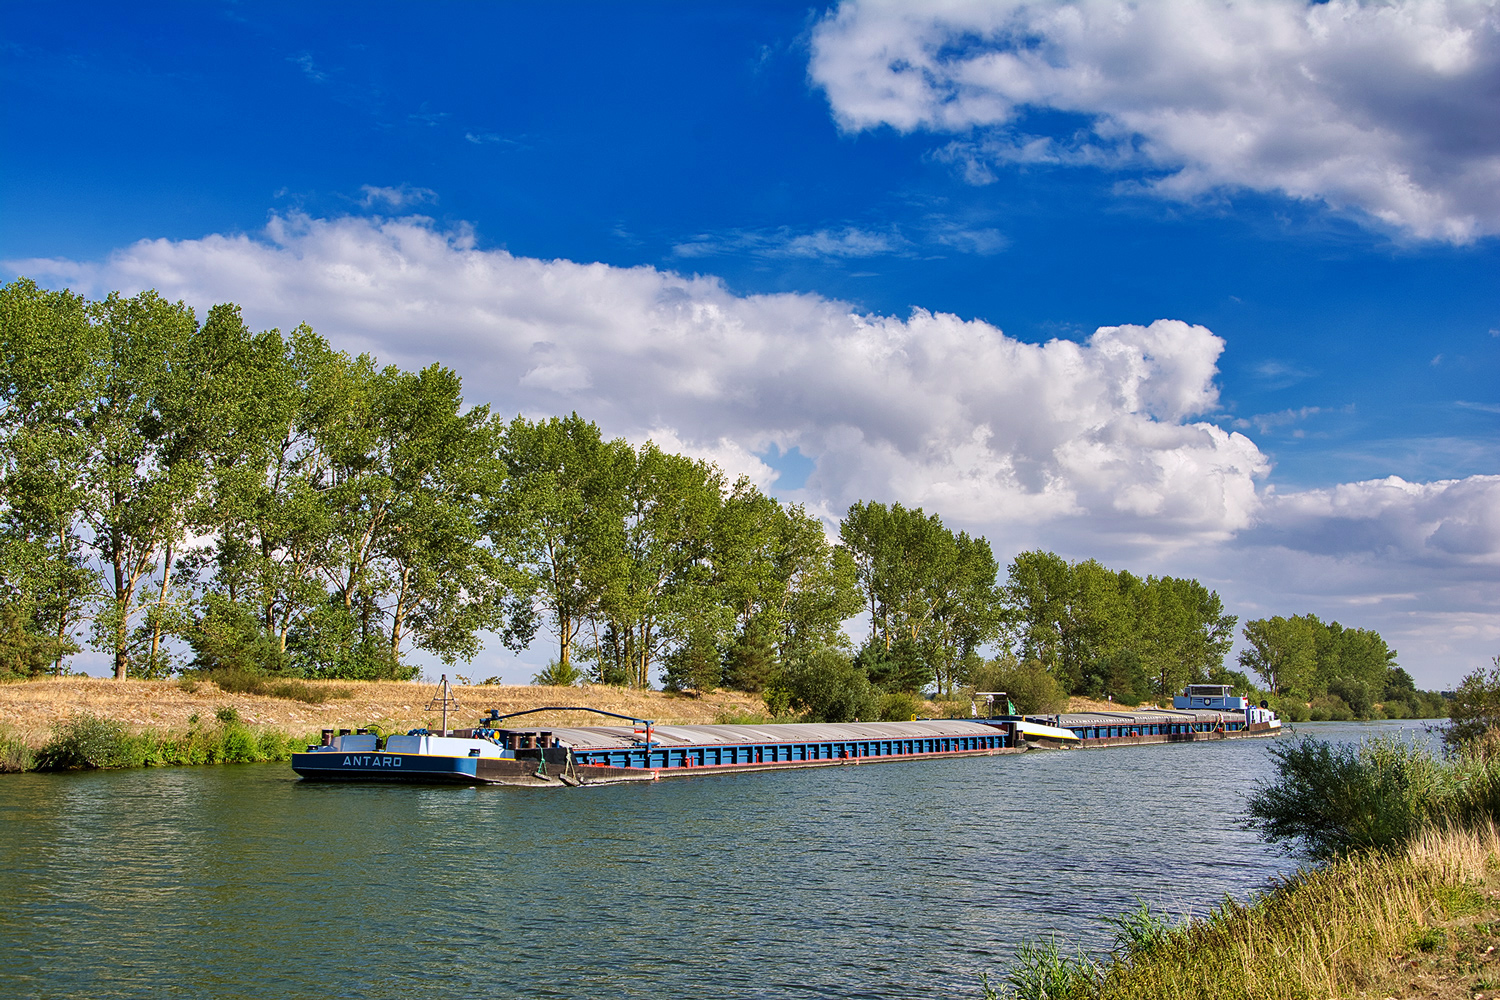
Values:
[(1100, 448), (1390, 109)]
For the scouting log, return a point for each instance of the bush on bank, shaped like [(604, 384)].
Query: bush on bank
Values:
[(85, 741)]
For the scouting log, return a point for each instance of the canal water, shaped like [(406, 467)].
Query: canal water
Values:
[(892, 880)]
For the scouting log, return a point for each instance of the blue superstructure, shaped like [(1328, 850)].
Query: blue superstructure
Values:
[(1209, 698)]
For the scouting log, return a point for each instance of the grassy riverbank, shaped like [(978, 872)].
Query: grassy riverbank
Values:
[(1424, 922), (178, 722), (1405, 901)]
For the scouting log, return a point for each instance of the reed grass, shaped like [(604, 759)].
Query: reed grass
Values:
[(15, 753)]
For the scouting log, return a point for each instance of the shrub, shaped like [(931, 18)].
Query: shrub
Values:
[(1030, 685), (556, 674), (331, 645), (696, 665), (903, 667), (778, 699), (304, 692), (86, 741), (826, 686), (899, 706), (23, 652), (1289, 708), (1334, 799), (1475, 708), (1356, 694), (1329, 708), (230, 636), (751, 662), (740, 717)]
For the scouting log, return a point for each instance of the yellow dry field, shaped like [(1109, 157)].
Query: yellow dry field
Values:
[(29, 709)]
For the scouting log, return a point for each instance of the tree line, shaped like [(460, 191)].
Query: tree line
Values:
[(194, 495)]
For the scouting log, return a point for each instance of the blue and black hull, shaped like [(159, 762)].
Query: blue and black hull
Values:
[(410, 768)]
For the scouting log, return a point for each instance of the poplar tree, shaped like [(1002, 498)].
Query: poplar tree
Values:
[(562, 506)]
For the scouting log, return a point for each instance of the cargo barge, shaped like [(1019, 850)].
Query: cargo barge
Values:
[(499, 751), (496, 753), (1201, 712)]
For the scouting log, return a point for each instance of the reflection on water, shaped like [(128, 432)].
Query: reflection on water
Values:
[(890, 880)]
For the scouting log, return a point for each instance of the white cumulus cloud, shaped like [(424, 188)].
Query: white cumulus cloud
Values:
[(1388, 108), (1095, 448), (927, 409)]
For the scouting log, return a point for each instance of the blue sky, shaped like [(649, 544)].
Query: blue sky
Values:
[(1309, 195)]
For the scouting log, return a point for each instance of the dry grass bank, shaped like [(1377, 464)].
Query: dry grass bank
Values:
[(29, 709), (1424, 923)]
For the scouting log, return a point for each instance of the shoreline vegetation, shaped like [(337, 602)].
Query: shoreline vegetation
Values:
[(1400, 898), (1420, 922), (161, 722)]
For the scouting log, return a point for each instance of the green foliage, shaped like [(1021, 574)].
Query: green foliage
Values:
[(229, 637), (923, 586), (1329, 708), (1283, 651), (333, 644), (898, 706), (1139, 933), (778, 698), (1289, 709), (1078, 619), (1339, 673), (1334, 799), (558, 674), (23, 653), (751, 662), (1475, 709), (826, 686), (1042, 972), (1029, 684), (15, 754), (1120, 676), (85, 741), (695, 665), (903, 667)]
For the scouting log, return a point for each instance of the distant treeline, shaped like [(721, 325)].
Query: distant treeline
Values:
[(182, 495)]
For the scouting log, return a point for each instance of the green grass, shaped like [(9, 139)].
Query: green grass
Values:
[(15, 755)]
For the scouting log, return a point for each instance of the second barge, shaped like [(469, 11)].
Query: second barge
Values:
[(1201, 712)]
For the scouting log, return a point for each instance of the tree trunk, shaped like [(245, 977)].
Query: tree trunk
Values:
[(398, 616), (122, 605), (161, 603)]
